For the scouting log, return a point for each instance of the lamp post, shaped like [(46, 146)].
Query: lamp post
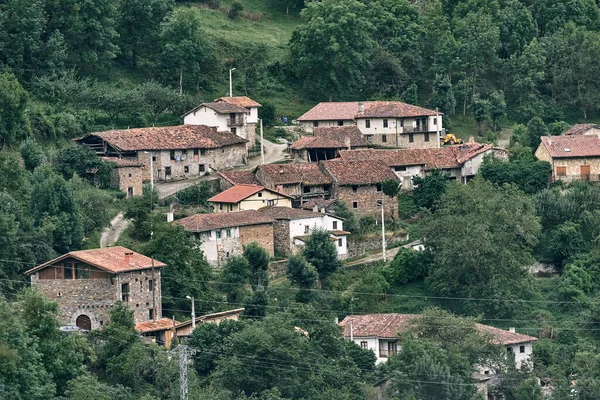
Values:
[(193, 312), (230, 84)]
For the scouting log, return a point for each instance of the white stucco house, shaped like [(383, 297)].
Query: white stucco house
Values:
[(293, 227), (235, 114), (379, 332)]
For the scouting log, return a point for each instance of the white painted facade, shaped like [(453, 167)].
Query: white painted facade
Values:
[(398, 125), (242, 124), (220, 241), (305, 226)]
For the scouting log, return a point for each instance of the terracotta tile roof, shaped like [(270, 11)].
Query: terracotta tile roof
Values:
[(162, 324), (288, 213), (390, 325), (580, 129), (111, 259), (307, 173), (239, 177), (167, 138), (572, 146), (335, 137), (372, 109), (122, 162), (444, 157), (223, 107), (208, 222), (240, 101), (240, 192), (366, 172)]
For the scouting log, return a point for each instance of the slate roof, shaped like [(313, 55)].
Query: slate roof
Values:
[(223, 107), (240, 101), (289, 213), (444, 157), (390, 325), (335, 137), (209, 222), (239, 177), (365, 172), (572, 146), (122, 162), (162, 324), (307, 173), (372, 109), (240, 192), (111, 259), (580, 129), (167, 138)]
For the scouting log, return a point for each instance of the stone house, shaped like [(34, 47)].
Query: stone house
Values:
[(224, 235), (358, 185), (326, 143), (302, 182), (229, 179), (87, 283), (248, 197), (459, 162), (382, 123), (236, 114), (573, 157), (379, 332), (583, 129), (127, 176), (292, 227), (174, 152)]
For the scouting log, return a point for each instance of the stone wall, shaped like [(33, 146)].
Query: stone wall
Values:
[(128, 177), (366, 201), (140, 297), (261, 234), (359, 245), (251, 136), (281, 237), (402, 140), (277, 268)]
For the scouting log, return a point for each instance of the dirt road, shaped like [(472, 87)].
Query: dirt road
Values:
[(111, 234)]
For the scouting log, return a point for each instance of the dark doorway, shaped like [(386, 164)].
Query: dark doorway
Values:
[(84, 322)]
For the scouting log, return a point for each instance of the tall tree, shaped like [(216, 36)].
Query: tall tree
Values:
[(13, 100), (442, 96), (258, 264), (321, 252), (303, 275)]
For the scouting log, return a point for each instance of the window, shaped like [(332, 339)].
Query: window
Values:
[(201, 168), (364, 345), (82, 271), (150, 313), (400, 168), (355, 204), (334, 225), (68, 270), (270, 203), (220, 206), (340, 242), (426, 136), (195, 152), (355, 188), (227, 255), (378, 187), (306, 229), (434, 120), (228, 232), (306, 189), (231, 207), (411, 138), (384, 138), (234, 130), (561, 171), (392, 348), (385, 123), (315, 124), (186, 169), (401, 123), (370, 138), (129, 175), (379, 204), (202, 152), (367, 123), (340, 123), (172, 155), (218, 234), (129, 192), (259, 194), (125, 292), (150, 285), (521, 349), (509, 349), (154, 158), (167, 172)]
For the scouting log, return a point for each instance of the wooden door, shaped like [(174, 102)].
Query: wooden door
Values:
[(585, 172)]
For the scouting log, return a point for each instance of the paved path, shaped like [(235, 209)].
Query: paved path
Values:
[(111, 234)]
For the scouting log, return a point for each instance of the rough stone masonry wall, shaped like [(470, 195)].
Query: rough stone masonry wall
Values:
[(281, 237), (140, 297), (261, 234), (367, 197), (403, 140), (130, 177)]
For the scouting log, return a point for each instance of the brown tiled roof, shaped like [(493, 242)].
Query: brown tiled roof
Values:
[(390, 325), (122, 162), (309, 205), (168, 138), (239, 177), (223, 107), (444, 157), (366, 172), (288, 213), (572, 146), (208, 222), (579, 129), (208, 317), (240, 101), (393, 109), (162, 324), (335, 137), (372, 109), (111, 259), (240, 192), (307, 173)]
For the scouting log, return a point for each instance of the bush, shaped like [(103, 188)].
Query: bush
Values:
[(195, 195), (407, 266), (235, 10)]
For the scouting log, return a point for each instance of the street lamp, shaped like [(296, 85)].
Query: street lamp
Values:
[(230, 85), (193, 312)]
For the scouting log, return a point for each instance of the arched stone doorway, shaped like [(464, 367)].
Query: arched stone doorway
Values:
[(84, 322)]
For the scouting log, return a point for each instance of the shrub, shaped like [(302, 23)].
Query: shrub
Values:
[(235, 10)]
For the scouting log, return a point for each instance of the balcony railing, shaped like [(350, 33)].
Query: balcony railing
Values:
[(235, 121), (416, 129), (385, 353)]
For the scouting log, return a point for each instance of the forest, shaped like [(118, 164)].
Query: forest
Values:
[(70, 67)]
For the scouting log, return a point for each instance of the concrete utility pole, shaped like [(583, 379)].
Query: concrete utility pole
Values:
[(437, 128), (184, 351), (193, 312), (230, 83), (262, 144), (352, 319), (382, 232)]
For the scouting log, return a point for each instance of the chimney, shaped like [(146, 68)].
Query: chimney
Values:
[(348, 144), (511, 330), (471, 139), (315, 208), (361, 107), (323, 209), (129, 257), (170, 216)]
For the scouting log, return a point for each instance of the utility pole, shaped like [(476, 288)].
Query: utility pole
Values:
[(153, 292), (437, 128), (262, 143), (382, 232), (193, 312), (184, 351), (230, 83), (352, 319)]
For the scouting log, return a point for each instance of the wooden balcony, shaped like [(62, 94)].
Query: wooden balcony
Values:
[(235, 121)]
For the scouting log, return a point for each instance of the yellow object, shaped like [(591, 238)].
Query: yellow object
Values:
[(450, 139)]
